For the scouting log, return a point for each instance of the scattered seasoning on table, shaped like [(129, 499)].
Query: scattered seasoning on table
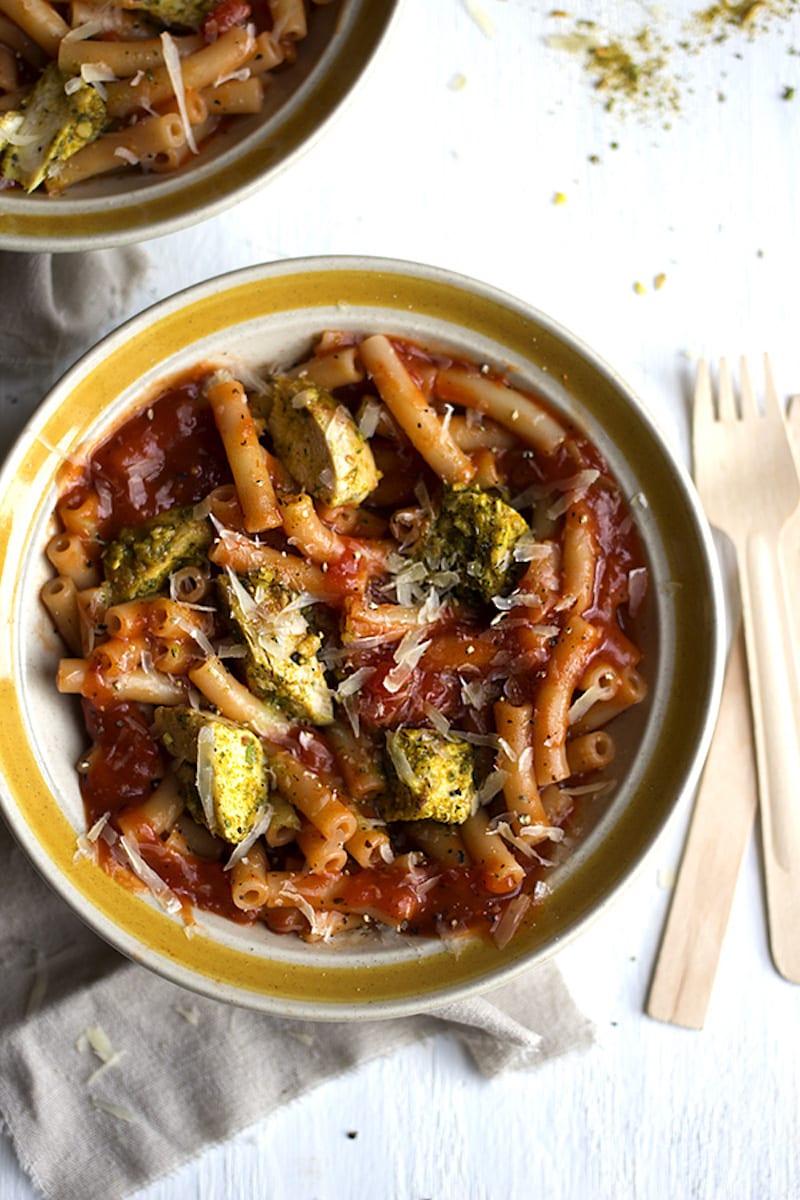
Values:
[(639, 72)]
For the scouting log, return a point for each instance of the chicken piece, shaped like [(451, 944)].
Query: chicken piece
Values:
[(281, 665), (220, 768), (141, 559), (49, 127), (474, 534), (319, 443), (187, 14), (433, 777)]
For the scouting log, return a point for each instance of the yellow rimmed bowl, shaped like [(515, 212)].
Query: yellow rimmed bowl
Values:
[(269, 314), (302, 100)]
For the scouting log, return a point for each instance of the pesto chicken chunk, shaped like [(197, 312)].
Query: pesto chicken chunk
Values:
[(49, 126), (187, 14), (474, 534), (141, 559), (319, 442), (281, 663), (220, 767), (432, 777)]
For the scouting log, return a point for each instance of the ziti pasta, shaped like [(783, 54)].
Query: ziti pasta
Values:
[(94, 86), (347, 639)]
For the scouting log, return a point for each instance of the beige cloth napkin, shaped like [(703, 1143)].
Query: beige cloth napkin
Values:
[(83, 1128)]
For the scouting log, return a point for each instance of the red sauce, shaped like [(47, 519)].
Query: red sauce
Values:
[(125, 762), (170, 454), (167, 455)]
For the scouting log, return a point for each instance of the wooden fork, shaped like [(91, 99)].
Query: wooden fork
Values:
[(746, 475)]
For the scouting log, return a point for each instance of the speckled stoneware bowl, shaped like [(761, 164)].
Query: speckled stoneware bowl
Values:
[(270, 313), (302, 100)]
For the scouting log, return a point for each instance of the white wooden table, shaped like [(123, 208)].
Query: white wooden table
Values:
[(421, 168)]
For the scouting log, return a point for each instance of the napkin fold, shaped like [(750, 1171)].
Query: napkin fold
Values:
[(111, 1077)]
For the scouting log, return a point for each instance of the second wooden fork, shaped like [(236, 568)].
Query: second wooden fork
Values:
[(746, 475)]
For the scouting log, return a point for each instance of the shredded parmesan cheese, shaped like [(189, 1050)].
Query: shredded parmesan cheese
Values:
[(637, 589), (352, 683), (410, 650), (491, 786), (204, 777), (80, 32), (127, 156), (369, 418), (160, 890), (172, 62), (260, 826)]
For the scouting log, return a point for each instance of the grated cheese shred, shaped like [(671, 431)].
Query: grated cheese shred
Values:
[(172, 62)]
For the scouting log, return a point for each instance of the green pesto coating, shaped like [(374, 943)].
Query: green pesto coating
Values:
[(281, 665), (319, 443), (432, 777), (141, 559), (187, 14), (474, 534), (51, 126), (238, 768)]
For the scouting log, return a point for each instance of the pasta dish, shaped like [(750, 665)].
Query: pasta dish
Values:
[(348, 638), (116, 84)]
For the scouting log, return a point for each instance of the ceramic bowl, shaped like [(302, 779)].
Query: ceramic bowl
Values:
[(270, 313), (301, 101)]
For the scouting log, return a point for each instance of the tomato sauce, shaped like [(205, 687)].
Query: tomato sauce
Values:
[(170, 454)]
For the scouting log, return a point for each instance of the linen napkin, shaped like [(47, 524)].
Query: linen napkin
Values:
[(110, 1077)]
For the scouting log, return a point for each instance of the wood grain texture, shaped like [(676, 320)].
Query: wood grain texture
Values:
[(721, 826), (748, 482)]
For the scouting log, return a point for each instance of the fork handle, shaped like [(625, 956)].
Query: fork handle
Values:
[(775, 702)]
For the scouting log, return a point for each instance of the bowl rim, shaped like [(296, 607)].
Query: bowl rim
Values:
[(78, 890), (190, 197)]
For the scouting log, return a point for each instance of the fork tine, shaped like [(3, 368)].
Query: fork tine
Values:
[(726, 396), (748, 401), (772, 406)]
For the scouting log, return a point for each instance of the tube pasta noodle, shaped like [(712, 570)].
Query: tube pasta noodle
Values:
[(245, 455), (338, 369), (160, 811), (369, 845), (233, 699), (307, 533), (39, 20), (413, 412), (125, 59), (236, 97), (520, 414), (144, 142), (249, 885), (156, 93), (499, 868), (69, 555), (242, 555), (60, 598), (514, 723), (590, 752), (551, 714), (347, 703)]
